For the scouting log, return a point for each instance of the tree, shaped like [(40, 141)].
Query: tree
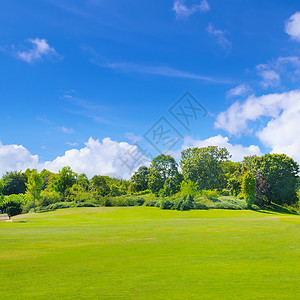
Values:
[(64, 180), (46, 176), (99, 185), (34, 187), (163, 167), (278, 175), (14, 183), (248, 188), (139, 180), (83, 181), (204, 166), (1, 187)]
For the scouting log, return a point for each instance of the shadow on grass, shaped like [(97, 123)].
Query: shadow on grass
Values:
[(275, 208)]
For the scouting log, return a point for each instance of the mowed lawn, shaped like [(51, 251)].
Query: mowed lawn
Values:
[(148, 253)]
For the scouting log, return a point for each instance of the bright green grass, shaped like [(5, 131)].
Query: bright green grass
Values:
[(148, 253)]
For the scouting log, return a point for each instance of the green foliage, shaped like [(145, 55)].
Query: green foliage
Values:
[(46, 176), (248, 188), (49, 197), (210, 194), (60, 205), (188, 187), (1, 187), (14, 183), (280, 173), (64, 180), (83, 181), (170, 187), (122, 201), (165, 203), (99, 185), (139, 180), (204, 166), (115, 190), (151, 203), (34, 187), (164, 167), (179, 203), (13, 200), (225, 192)]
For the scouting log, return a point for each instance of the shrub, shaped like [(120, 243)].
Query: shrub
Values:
[(49, 197), (59, 205), (15, 200), (199, 205), (165, 203), (225, 192), (13, 210), (188, 188), (122, 201), (86, 204), (210, 194), (151, 203)]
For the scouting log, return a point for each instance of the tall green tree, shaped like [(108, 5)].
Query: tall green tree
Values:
[(99, 185), (83, 181), (64, 180), (163, 167), (139, 180), (204, 166), (34, 187), (278, 175)]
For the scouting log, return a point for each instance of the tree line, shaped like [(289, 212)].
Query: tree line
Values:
[(261, 180)]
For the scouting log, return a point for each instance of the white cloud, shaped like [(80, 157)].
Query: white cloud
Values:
[(183, 11), (269, 76), (239, 90), (220, 36), (292, 26), (132, 137), (282, 113), (66, 130), (237, 151), (97, 157), (39, 49), (14, 157)]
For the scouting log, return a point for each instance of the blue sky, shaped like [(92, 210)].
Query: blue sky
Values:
[(75, 70)]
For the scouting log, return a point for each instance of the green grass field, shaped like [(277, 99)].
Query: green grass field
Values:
[(148, 253)]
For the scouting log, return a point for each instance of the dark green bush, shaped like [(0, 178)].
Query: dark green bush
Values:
[(13, 210), (86, 204), (165, 203)]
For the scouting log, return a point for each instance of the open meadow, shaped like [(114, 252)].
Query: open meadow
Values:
[(148, 253)]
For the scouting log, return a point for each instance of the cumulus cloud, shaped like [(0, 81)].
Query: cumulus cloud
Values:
[(237, 151), (292, 26), (281, 111), (39, 49), (14, 157), (97, 157), (220, 36), (183, 11), (239, 90)]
